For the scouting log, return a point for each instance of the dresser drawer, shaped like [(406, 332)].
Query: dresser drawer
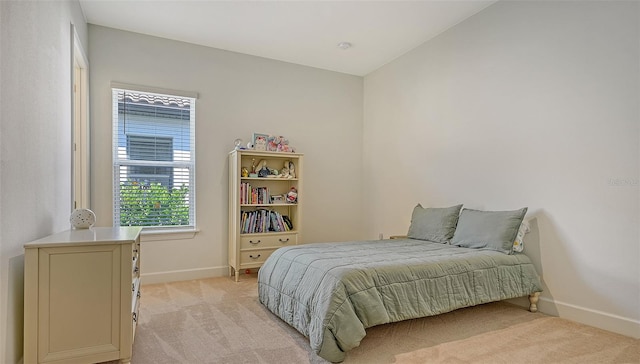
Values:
[(135, 317), (135, 268), (135, 293), (268, 241), (135, 255), (251, 257)]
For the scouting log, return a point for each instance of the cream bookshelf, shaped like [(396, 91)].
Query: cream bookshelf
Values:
[(252, 241)]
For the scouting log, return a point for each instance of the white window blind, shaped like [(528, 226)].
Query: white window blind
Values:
[(153, 159)]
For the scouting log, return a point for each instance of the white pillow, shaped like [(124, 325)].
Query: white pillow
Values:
[(518, 244)]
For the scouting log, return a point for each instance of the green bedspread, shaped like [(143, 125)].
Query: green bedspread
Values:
[(331, 292)]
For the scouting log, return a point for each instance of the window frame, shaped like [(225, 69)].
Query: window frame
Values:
[(180, 163)]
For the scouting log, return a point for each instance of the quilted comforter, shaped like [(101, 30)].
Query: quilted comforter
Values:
[(332, 292)]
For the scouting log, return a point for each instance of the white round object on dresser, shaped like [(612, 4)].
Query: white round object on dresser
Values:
[(82, 219)]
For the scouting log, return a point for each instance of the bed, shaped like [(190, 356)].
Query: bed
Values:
[(332, 292)]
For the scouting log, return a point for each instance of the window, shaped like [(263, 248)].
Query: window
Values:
[(153, 159)]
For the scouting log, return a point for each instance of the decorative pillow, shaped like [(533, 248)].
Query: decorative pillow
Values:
[(434, 224), (518, 244), (495, 230)]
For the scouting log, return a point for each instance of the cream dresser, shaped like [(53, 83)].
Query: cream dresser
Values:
[(81, 296)]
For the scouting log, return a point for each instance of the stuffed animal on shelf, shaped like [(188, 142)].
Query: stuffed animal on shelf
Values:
[(292, 170), (272, 143), (283, 145), (262, 169), (292, 195), (284, 172), (277, 144)]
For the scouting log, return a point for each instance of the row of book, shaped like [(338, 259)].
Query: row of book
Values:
[(257, 195), (264, 221)]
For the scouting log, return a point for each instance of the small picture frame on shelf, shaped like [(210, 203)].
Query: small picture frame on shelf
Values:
[(260, 141), (275, 199)]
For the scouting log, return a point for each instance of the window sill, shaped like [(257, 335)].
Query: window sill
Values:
[(168, 234)]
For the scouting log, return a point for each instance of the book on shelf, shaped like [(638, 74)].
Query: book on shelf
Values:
[(288, 222), (264, 221), (254, 195)]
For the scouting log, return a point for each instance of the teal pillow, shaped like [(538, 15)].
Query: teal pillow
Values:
[(495, 230), (434, 224)]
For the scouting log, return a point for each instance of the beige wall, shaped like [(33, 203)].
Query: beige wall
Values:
[(524, 104), (35, 136), (320, 112)]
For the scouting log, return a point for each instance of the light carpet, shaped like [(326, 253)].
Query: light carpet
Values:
[(220, 321), (544, 340)]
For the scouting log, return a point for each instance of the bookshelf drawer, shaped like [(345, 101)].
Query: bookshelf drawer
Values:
[(252, 257), (267, 241)]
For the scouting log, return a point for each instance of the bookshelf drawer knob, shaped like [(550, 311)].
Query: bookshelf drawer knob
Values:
[(256, 257), (284, 240), (254, 242)]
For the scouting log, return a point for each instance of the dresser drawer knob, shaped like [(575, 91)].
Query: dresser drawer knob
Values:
[(135, 317), (136, 269), (284, 240), (256, 257), (252, 242)]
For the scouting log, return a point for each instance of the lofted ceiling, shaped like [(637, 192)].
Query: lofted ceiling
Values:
[(302, 32)]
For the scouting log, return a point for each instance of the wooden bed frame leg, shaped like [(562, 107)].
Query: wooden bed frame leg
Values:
[(533, 300)]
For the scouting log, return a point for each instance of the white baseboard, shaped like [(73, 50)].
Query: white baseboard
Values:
[(587, 316), (184, 275), (602, 320)]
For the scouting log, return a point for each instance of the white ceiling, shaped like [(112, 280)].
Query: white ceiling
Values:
[(302, 32)]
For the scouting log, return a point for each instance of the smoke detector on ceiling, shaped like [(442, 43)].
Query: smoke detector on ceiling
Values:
[(344, 45)]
